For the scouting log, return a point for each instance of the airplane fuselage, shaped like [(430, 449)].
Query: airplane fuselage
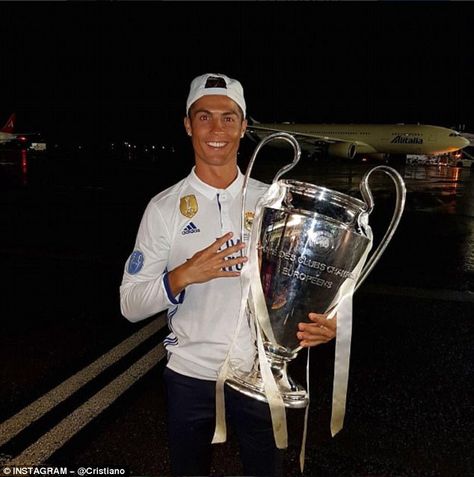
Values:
[(383, 138), (7, 137)]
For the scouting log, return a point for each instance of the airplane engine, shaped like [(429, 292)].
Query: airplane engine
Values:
[(347, 150)]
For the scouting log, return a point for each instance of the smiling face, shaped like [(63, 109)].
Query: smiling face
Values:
[(216, 126)]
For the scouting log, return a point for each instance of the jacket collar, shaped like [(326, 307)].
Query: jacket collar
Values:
[(210, 192)]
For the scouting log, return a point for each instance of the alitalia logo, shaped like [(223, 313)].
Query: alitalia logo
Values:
[(406, 140)]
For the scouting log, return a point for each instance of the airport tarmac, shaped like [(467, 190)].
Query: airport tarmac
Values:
[(81, 386)]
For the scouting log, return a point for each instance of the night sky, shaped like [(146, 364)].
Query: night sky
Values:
[(80, 71)]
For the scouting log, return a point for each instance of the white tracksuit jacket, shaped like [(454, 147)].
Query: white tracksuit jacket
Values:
[(177, 223)]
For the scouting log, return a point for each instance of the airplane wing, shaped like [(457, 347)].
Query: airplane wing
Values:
[(300, 136), (310, 142), (20, 135)]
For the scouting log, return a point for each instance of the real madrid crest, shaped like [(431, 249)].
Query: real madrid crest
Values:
[(188, 205), (248, 220)]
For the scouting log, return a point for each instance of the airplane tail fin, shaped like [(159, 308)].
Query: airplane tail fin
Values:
[(9, 125)]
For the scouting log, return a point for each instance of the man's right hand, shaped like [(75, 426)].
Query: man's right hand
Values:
[(206, 265)]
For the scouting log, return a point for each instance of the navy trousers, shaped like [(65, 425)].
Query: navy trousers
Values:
[(191, 423)]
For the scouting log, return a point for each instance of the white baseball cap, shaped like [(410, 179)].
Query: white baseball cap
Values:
[(215, 83)]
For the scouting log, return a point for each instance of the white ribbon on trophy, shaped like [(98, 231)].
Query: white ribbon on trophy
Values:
[(268, 380)]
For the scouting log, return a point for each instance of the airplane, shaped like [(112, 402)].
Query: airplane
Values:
[(371, 140), (7, 134)]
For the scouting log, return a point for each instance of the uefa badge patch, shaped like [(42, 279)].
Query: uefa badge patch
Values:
[(135, 262), (188, 205)]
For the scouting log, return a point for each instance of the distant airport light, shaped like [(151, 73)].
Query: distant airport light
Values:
[(38, 146)]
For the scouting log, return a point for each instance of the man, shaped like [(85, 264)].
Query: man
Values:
[(178, 264)]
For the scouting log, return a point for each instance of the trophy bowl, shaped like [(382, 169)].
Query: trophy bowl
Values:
[(308, 251), (308, 248)]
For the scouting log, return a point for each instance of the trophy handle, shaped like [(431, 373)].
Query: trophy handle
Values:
[(397, 213), (297, 154)]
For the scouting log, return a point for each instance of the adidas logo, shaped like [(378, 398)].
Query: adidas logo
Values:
[(190, 229)]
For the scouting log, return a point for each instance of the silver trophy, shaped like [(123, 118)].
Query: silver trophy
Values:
[(311, 246)]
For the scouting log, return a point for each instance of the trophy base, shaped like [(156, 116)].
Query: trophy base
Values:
[(294, 395)]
